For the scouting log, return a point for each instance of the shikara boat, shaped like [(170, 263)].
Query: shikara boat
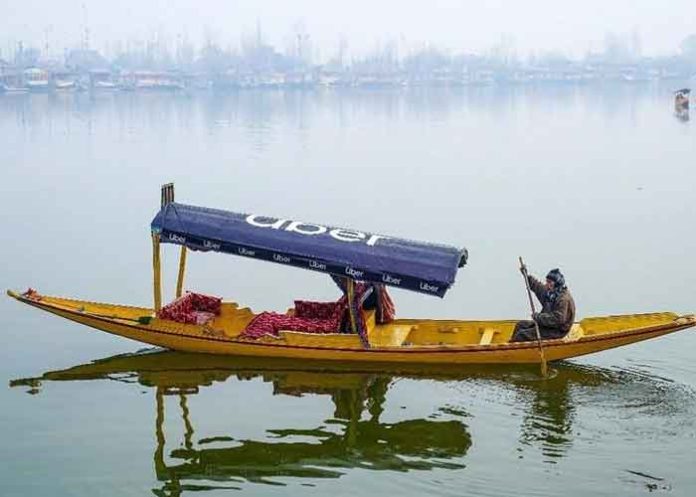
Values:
[(359, 327)]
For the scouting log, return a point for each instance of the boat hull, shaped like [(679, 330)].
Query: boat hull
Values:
[(122, 321)]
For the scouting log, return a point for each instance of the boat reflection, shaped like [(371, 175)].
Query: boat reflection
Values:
[(682, 114), (355, 436), (346, 441)]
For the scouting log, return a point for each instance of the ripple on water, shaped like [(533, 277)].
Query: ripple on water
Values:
[(607, 419), (471, 432)]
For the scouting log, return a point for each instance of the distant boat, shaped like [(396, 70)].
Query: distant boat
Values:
[(62, 85), (158, 84), (105, 85), (150, 80), (102, 80), (681, 99), (7, 89), (36, 79), (63, 80), (12, 82)]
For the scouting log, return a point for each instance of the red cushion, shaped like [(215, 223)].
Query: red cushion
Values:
[(309, 317), (319, 310), (192, 308), (205, 303), (259, 326), (270, 323)]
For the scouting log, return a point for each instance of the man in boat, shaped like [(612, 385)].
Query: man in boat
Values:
[(557, 313)]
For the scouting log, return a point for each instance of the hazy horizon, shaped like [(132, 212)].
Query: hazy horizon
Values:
[(459, 26)]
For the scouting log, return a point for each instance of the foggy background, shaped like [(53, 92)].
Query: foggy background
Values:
[(573, 29), (464, 123)]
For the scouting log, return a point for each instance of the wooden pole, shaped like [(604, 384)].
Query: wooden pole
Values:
[(166, 197), (182, 271), (350, 294), (544, 369), (167, 194), (156, 272)]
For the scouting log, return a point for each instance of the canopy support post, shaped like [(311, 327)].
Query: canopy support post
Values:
[(156, 272), (182, 271), (350, 294), (166, 197)]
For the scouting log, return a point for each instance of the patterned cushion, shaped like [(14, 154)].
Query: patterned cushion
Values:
[(309, 317), (205, 303), (318, 310), (270, 323), (192, 308)]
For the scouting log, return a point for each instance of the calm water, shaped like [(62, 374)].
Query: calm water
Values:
[(598, 181)]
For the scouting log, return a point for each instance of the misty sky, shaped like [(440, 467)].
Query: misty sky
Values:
[(461, 26)]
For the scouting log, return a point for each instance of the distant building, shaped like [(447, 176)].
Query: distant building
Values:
[(85, 60)]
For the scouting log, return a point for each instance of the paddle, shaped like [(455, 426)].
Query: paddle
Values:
[(544, 369)]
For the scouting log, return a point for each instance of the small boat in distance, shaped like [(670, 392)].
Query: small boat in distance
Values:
[(12, 90), (681, 99), (681, 104), (64, 80), (12, 82), (36, 79), (360, 327), (102, 79)]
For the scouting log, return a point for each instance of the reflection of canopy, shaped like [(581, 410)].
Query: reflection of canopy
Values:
[(418, 266), (347, 442), (417, 444)]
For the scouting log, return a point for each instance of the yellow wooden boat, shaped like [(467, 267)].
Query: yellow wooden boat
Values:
[(365, 334), (401, 341)]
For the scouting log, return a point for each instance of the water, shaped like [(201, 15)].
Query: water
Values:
[(597, 180)]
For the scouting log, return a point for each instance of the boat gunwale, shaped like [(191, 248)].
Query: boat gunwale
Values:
[(436, 349)]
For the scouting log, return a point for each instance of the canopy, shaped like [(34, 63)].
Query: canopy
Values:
[(418, 266)]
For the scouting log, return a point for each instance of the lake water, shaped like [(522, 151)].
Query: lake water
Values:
[(600, 181)]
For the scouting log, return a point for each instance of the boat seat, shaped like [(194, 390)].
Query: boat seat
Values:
[(576, 332), (397, 336), (487, 336)]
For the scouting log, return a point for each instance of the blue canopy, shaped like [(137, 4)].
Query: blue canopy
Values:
[(418, 266)]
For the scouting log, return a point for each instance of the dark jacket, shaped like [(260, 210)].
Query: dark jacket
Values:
[(559, 314)]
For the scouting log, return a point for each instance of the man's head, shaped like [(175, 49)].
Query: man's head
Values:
[(555, 280)]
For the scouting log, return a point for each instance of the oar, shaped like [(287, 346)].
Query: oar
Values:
[(544, 369)]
